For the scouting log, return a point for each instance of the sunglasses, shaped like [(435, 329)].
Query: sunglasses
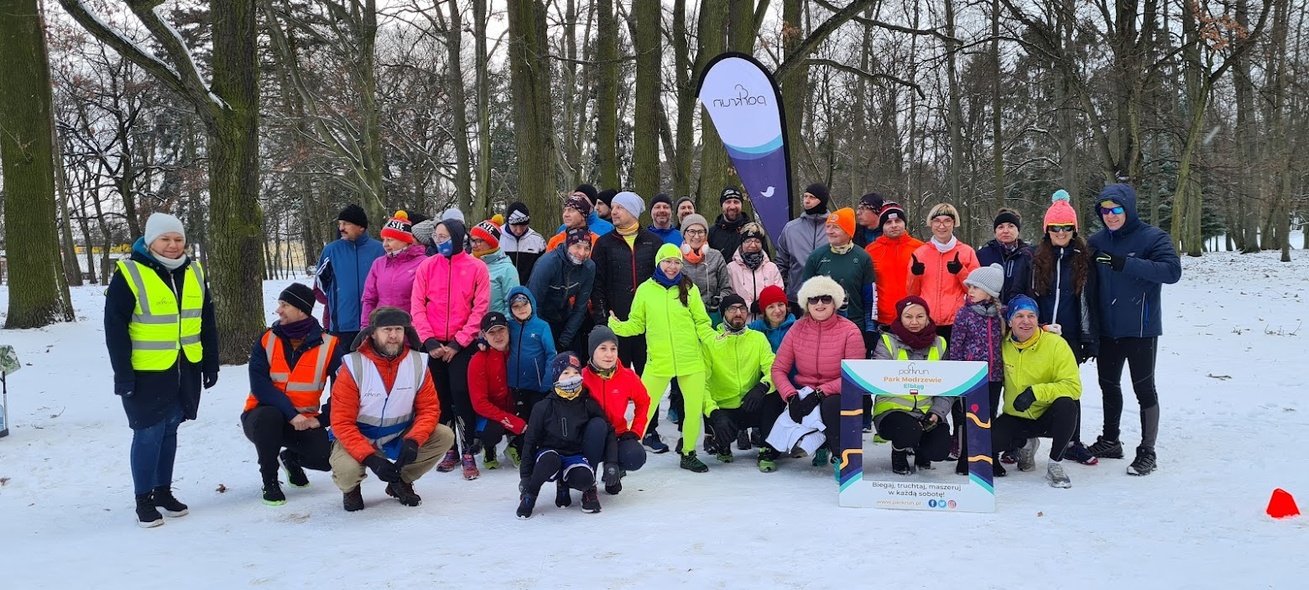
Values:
[(823, 299), (1060, 229), (1107, 207)]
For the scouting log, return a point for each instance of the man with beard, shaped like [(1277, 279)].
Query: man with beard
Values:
[(725, 235), (684, 206), (661, 211), (739, 385), (801, 236)]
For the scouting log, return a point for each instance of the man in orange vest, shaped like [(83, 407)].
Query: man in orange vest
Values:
[(289, 366)]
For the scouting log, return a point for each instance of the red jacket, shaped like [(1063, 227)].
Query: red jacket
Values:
[(488, 388), (815, 350), (943, 291), (891, 259), (613, 394), (345, 405)]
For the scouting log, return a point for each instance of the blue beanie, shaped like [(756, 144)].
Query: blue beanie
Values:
[(562, 361), (1019, 303)]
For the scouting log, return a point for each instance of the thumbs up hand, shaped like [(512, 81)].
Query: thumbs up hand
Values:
[(917, 268), (954, 266)]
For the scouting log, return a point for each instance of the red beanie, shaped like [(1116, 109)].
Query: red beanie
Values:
[(399, 228), (770, 295), (487, 232)]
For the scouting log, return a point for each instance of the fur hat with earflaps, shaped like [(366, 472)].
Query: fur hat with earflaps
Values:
[(389, 316)]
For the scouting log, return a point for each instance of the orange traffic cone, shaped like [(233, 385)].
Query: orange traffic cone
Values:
[(1282, 505)]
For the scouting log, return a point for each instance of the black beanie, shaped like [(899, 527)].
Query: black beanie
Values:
[(729, 192), (606, 196), (354, 214), (1008, 216), (587, 190), (300, 297), (517, 213), (872, 201), (819, 190), (661, 198)]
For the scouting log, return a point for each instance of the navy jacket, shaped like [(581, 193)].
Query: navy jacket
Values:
[(1017, 267), (1129, 301), (531, 346), (156, 393), (563, 289), (1076, 313), (342, 278)]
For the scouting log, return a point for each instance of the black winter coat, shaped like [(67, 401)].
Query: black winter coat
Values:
[(619, 269), (558, 424), (1017, 267), (156, 393)]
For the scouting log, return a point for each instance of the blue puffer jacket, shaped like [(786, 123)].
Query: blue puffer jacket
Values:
[(1129, 301), (531, 346), (343, 277), (775, 335)]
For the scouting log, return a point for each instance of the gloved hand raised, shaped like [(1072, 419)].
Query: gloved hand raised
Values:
[(917, 268), (1114, 261), (954, 266)]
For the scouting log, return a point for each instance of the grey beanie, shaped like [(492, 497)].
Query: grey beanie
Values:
[(693, 219), (987, 278), (159, 224), (630, 201)]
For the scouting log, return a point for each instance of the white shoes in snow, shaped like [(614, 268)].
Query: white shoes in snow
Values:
[(1027, 454), (1054, 472)]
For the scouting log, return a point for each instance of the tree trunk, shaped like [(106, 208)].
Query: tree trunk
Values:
[(38, 293), (997, 93), (606, 104), (482, 88), (713, 156), (72, 270), (683, 71), (533, 117), (459, 111), (954, 108), (645, 140)]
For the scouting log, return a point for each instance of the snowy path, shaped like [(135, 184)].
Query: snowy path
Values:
[(1225, 443)]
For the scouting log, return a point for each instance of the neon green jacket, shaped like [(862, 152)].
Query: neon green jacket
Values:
[(672, 331), (1047, 365), (737, 362)]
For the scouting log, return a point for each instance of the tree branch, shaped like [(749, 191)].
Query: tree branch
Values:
[(813, 61), (818, 35)]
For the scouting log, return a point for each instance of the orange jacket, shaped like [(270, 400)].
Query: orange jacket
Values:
[(304, 383), (345, 405), (944, 292), (891, 263), (559, 239)]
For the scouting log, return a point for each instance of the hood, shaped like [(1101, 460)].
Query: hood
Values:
[(520, 291), (457, 234), (1124, 195), (723, 223)]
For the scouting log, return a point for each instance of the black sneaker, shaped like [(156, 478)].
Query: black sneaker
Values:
[(295, 474), (1105, 448), (922, 463), (757, 437), (1144, 464), (998, 470), (693, 464), (273, 495), (147, 516), (563, 496), (743, 441), (525, 505), (590, 501), (404, 492), (163, 498), (353, 500), (900, 462), (656, 444)]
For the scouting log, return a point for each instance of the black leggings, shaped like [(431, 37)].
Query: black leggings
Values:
[(630, 453), (1139, 356), (451, 381), (270, 432), (1058, 422), (906, 432)]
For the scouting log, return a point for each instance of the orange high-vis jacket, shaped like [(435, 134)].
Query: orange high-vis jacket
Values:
[(304, 383)]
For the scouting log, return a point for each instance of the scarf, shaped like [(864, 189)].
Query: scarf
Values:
[(1030, 341), (298, 330), (839, 250), (946, 247), (601, 372), (819, 209), (753, 260), (628, 231), (170, 263), (986, 309), (481, 253), (663, 279), (916, 341), (692, 255), (728, 329)]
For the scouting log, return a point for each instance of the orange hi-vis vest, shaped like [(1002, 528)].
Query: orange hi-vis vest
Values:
[(303, 383)]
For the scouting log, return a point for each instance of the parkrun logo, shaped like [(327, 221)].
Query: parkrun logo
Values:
[(912, 370), (743, 99)]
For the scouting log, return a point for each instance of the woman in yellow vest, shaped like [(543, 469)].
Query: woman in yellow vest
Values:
[(907, 421), (163, 345)]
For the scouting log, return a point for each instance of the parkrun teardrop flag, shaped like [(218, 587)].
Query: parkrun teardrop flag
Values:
[(746, 108)]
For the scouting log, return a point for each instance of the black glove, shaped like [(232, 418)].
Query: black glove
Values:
[(754, 398), (1114, 261), (954, 266), (723, 428), (210, 379), (408, 453), (1024, 400), (629, 435), (431, 344), (124, 389), (917, 268), (382, 468), (799, 408), (611, 475)]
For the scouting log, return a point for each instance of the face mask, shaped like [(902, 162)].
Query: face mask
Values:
[(569, 387), (446, 248)]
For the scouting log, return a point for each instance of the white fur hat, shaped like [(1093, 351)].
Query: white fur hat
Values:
[(818, 286)]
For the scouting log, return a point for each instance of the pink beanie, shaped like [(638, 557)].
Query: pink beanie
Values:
[(1060, 211)]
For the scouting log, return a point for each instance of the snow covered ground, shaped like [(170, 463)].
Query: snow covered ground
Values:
[(1235, 419)]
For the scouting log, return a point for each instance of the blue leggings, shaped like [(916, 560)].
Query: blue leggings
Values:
[(153, 450)]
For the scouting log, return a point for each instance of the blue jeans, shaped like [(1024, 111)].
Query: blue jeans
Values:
[(153, 451)]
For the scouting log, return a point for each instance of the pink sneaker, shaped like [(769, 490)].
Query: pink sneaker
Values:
[(448, 463), (470, 468)]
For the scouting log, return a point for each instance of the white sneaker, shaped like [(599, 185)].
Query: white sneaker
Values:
[(1054, 471), (1027, 454)]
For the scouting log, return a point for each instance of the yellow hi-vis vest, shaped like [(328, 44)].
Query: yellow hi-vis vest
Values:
[(160, 327), (907, 403)]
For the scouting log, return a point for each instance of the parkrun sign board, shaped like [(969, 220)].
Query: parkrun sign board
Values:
[(966, 379)]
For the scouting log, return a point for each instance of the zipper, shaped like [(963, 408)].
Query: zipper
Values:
[(449, 279), (1058, 285), (668, 321)]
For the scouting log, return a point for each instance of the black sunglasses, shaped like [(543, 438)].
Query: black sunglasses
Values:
[(1058, 229), (823, 299)]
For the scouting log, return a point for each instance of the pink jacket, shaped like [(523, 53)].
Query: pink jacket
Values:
[(390, 281), (450, 297), (748, 283), (816, 349)]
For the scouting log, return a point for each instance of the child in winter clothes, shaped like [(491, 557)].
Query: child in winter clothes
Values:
[(912, 422), (529, 356), (488, 389), (977, 335), (614, 386), (567, 435)]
